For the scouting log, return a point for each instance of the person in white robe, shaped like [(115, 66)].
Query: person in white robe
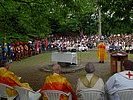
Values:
[(90, 80), (119, 81)]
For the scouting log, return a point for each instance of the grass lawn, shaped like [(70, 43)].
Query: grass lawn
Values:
[(29, 68)]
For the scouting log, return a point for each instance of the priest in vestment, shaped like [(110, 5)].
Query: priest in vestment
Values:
[(119, 81), (9, 78), (58, 82), (101, 52)]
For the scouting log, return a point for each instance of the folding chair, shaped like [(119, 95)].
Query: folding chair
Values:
[(126, 94), (3, 92), (27, 94), (55, 94), (89, 94)]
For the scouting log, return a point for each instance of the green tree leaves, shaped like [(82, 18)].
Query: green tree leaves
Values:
[(39, 18), (118, 15)]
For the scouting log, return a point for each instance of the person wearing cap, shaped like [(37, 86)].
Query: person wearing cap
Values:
[(58, 82), (90, 80), (121, 80), (101, 52), (9, 78)]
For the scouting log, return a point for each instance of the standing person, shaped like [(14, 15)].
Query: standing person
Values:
[(90, 80), (26, 50), (101, 52), (4, 52), (57, 82), (0, 53), (18, 51), (120, 80)]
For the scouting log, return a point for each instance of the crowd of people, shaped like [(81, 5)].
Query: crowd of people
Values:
[(19, 50), (85, 43), (121, 42)]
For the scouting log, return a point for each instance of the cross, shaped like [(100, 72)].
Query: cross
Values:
[(129, 74)]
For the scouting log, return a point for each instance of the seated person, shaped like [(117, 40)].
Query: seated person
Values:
[(9, 78), (112, 47), (90, 80), (58, 82), (120, 80)]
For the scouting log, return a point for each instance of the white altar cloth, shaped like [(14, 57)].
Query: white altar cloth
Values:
[(69, 57)]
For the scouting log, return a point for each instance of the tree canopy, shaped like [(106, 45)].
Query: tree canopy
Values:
[(117, 16), (24, 19)]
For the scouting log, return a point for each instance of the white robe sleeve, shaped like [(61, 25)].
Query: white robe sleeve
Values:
[(109, 86)]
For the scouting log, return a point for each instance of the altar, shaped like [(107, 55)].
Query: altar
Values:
[(65, 57)]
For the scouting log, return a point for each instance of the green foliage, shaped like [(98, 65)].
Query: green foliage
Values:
[(117, 15), (39, 18)]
